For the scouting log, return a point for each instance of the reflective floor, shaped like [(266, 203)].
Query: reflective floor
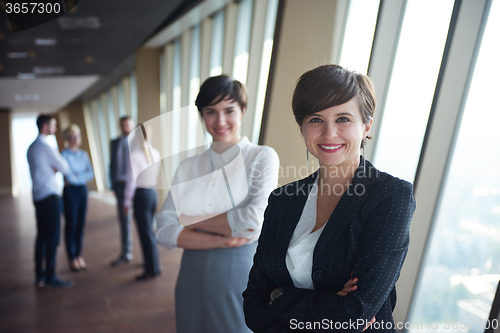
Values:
[(104, 299)]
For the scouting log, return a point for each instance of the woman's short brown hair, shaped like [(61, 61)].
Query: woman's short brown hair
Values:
[(332, 85), (217, 88)]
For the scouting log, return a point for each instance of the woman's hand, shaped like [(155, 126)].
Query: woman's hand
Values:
[(216, 224), (349, 286), (194, 240), (189, 221), (277, 292), (371, 322), (234, 241)]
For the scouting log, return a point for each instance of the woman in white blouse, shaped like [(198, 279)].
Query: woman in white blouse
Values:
[(216, 204), (145, 162)]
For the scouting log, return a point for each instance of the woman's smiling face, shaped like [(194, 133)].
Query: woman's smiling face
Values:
[(223, 120), (334, 135)]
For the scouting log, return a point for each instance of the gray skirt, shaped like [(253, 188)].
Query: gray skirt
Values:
[(209, 287)]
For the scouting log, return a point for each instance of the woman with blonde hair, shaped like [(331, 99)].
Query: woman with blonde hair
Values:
[(75, 196)]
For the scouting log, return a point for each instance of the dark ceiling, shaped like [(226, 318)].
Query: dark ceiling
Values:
[(124, 26)]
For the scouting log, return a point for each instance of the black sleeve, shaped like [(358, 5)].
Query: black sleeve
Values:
[(112, 162), (259, 288)]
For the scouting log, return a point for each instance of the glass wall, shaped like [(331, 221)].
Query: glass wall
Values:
[(243, 29), (412, 84), (121, 101), (104, 141), (217, 47), (111, 116), (267, 50), (24, 132), (176, 105), (194, 86), (465, 246), (133, 98), (104, 113), (99, 139), (358, 36)]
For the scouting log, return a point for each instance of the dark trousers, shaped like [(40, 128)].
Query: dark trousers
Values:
[(48, 220), (144, 212), (124, 219), (75, 209)]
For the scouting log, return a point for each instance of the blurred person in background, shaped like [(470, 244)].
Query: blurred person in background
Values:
[(75, 196), (45, 162), (141, 179), (119, 168)]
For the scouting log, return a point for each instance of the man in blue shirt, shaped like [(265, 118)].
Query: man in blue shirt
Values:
[(45, 162)]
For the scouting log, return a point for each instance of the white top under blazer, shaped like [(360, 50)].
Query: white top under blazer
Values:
[(299, 257)]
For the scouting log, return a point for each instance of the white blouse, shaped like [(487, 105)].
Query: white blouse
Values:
[(206, 188), (142, 173), (299, 257)]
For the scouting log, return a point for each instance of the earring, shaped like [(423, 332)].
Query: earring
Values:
[(307, 157), (363, 144)]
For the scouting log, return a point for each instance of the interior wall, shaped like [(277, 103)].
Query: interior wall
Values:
[(6, 161), (147, 73), (305, 42)]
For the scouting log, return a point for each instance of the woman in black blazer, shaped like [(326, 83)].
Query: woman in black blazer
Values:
[(347, 221)]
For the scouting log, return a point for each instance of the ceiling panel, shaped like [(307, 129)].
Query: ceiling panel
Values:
[(81, 55)]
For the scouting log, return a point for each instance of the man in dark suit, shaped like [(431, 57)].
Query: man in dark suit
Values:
[(120, 165)]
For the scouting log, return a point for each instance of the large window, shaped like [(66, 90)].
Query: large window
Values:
[(133, 97), (194, 87), (99, 139), (104, 141), (358, 36), (465, 246), (176, 105), (242, 42), (24, 132), (121, 101), (111, 116), (412, 85), (267, 50), (216, 50)]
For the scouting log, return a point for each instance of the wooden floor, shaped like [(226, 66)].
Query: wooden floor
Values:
[(104, 299)]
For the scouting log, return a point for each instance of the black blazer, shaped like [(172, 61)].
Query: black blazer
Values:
[(367, 234)]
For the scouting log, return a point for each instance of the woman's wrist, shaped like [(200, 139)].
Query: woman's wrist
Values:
[(194, 240), (275, 294)]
